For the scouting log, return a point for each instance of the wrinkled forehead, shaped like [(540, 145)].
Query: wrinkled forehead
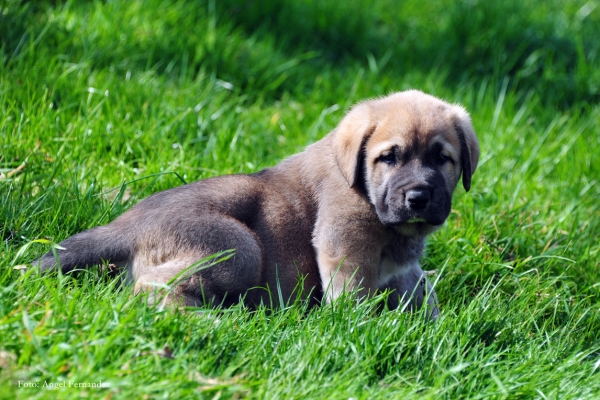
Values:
[(414, 126)]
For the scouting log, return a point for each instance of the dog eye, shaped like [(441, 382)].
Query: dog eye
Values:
[(443, 158), (388, 158)]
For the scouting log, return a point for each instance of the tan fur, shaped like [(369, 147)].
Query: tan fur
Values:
[(350, 212)]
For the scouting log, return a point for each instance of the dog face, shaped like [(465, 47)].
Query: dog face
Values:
[(407, 153)]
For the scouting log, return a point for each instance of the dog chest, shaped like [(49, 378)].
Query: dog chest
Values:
[(389, 267)]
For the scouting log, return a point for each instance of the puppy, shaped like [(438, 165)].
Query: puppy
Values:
[(351, 212)]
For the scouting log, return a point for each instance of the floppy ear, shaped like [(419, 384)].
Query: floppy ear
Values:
[(349, 140), (469, 146)]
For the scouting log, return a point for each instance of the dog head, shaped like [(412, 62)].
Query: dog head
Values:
[(407, 152)]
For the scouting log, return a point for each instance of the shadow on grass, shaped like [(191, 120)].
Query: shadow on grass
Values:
[(538, 46), (276, 46)]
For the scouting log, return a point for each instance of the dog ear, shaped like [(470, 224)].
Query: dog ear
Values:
[(469, 146), (349, 141)]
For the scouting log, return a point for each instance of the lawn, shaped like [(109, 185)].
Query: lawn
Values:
[(104, 102)]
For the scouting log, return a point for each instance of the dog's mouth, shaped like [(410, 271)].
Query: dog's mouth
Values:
[(415, 220), (410, 221), (415, 226)]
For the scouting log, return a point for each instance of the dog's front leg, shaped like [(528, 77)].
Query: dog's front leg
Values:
[(339, 275), (348, 259), (411, 290)]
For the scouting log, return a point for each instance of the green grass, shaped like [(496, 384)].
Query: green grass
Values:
[(104, 103)]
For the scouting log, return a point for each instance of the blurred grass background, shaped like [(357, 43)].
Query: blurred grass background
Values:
[(105, 102)]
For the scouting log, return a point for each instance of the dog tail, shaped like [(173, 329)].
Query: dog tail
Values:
[(88, 248)]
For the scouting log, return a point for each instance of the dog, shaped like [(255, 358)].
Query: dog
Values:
[(349, 213)]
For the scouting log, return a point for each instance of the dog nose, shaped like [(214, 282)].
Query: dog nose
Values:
[(417, 199)]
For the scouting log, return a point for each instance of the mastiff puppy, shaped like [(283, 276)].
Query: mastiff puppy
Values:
[(351, 212)]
